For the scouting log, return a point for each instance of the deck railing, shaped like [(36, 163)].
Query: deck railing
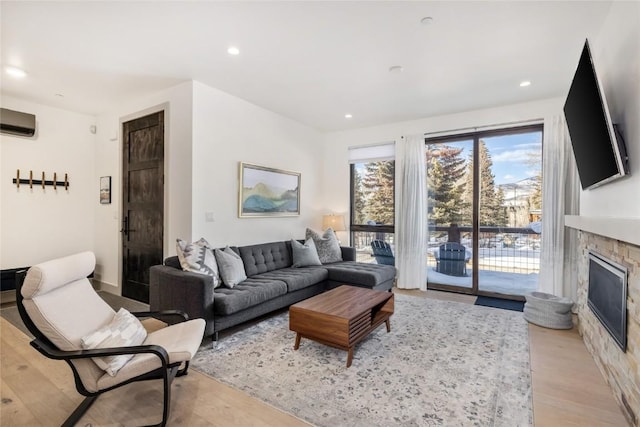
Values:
[(506, 249)]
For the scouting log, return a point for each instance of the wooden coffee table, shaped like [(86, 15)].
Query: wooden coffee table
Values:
[(341, 317)]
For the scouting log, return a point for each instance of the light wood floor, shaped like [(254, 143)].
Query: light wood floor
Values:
[(568, 390)]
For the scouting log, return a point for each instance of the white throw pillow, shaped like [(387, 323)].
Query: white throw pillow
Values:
[(231, 267), (198, 257), (304, 255), (125, 330), (327, 245)]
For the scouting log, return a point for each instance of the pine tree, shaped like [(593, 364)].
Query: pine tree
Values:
[(378, 184), (445, 169), (501, 217), (491, 208), (359, 202), (492, 211), (466, 206)]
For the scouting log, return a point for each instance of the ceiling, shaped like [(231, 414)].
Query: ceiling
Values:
[(313, 62)]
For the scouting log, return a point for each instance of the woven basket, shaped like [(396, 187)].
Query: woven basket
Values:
[(548, 310)]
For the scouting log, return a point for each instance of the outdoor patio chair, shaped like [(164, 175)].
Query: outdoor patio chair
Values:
[(382, 252), (451, 259), (63, 312)]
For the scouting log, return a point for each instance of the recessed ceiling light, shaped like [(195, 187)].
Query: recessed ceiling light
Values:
[(525, 83), (426, 20), (396, 69), (233, 50), (15, 72), (348, 116)]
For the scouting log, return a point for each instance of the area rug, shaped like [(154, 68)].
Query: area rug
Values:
[(443, 364)]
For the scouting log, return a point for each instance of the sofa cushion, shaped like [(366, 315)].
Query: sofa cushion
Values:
[(327, 245), (198, 257), (358, 273), (231, 267), (248, 293), (297, 277), (304, 254), (265, 257)]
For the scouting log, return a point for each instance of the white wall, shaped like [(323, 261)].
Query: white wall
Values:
[(336, 167), (177, 104), (616, 56), (207, 133), (228, 130), (37, 225)]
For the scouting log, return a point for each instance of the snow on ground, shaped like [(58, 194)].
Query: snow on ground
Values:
[(490, 281)]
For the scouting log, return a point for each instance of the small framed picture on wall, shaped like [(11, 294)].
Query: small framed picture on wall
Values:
[(105, 190)]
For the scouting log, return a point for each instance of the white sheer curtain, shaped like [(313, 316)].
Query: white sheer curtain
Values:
[(411, 213), (560, 192)]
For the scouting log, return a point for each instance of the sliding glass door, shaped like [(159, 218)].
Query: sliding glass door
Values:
[(484, 205), (510, 205), (450, 189)]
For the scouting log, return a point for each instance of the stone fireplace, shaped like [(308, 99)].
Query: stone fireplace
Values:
[(620, 369)]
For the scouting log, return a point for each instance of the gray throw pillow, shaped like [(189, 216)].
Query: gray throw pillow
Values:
[(231, 267), (198, 257), (327, 245), (304, 254)]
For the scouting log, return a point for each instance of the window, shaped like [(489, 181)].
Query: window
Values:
[(372, 205)]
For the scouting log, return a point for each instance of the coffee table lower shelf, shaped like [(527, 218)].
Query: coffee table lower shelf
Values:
[(342, 317)]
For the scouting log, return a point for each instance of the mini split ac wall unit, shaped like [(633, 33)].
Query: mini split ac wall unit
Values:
[(17, 123)]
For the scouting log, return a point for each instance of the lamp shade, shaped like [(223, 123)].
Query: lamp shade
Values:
[(336, 222)]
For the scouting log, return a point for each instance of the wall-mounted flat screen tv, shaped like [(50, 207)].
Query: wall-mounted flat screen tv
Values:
[(598, 148)]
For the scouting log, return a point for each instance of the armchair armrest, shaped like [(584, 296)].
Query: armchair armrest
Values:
[(173, 289), (164, 313), (54, 353)]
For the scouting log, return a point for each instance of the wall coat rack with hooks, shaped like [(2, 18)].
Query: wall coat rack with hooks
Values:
[(41, 182)]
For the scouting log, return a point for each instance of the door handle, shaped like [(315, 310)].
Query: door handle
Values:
[(125, 226)]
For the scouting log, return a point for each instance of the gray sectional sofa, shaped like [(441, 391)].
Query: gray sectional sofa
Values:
[(272, 283)]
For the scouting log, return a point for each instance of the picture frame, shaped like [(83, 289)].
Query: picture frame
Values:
[(268, 192), (105, 190)]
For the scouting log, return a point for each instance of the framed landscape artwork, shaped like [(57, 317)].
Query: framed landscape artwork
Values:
[(268, 192)]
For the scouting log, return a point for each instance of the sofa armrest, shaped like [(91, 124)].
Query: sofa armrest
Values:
[(173, 289), (348, 253)]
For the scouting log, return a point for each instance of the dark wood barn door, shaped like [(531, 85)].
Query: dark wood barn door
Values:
[(143, 202)]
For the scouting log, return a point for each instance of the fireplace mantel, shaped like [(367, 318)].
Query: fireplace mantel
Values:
[(623, 229)]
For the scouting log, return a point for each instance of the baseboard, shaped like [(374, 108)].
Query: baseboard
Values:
[(105, 287)]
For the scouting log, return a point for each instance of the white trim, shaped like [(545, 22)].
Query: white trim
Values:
[(495, 126), (371, 153), (622, 229)]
